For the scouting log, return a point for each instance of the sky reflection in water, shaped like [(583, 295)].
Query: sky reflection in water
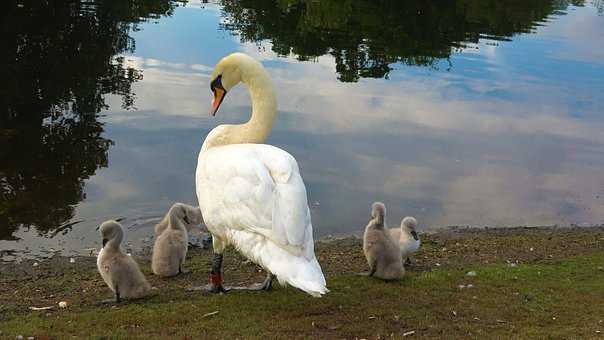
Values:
[(500, 133)]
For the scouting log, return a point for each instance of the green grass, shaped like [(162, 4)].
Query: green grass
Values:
[(560, 299)]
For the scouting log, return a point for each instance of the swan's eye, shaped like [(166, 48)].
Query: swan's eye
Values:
[(216, 83)]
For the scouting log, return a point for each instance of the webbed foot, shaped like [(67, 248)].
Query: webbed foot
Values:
[(266, 285)]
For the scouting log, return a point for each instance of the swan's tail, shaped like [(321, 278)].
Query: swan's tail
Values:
[(296, 270), (308, 278)]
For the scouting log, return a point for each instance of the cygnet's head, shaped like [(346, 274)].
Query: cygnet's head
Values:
[(230, 71), (194, 215), (190, 215), (111, 230), (378, 213), (409, 224)]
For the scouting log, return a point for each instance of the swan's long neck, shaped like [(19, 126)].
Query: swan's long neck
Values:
[(264, 110)]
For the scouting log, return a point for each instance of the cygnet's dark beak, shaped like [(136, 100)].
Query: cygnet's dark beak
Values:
[(105, 242), (414, 234), (186, 219)]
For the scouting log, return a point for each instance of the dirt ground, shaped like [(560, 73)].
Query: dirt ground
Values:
[(451, 253)]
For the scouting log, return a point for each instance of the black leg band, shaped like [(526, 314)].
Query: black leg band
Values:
[(217, 264)]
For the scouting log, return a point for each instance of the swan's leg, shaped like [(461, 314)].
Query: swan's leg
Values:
[(266, 285), (268, 282), (215, 285)]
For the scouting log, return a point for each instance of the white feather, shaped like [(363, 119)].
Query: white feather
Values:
[(252, 196)]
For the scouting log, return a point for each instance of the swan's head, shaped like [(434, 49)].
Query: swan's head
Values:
[(230, 71), (378, 213), (190, 215), (111, 230), (409, 224)]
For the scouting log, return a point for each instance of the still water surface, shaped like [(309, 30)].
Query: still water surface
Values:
[(459, 112)]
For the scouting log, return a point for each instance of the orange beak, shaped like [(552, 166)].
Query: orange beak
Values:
[(219, 94)]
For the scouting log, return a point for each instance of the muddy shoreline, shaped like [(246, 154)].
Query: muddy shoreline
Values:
[(526, 277), (453, 245)]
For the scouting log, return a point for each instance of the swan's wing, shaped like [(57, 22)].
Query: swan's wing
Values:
[(290, 213), (257, 188)]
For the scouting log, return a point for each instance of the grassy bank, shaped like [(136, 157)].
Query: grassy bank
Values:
[(528, 283)]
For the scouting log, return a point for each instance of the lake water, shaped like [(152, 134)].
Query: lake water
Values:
[(458, 112)]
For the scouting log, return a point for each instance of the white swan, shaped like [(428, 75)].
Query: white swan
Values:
[(252, 195)]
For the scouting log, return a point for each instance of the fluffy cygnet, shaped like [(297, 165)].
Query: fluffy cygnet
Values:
[(381, 251), (406, 237), (120, 271), (171, 245), (193, 219)]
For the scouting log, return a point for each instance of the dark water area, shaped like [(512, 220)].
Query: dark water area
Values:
[(465, 112)]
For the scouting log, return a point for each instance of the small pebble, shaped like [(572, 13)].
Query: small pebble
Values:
[(36, 264), (62, 304), (72, 260), (19, 337), (471, 273)]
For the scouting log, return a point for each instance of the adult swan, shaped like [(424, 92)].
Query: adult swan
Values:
[(251, 194)]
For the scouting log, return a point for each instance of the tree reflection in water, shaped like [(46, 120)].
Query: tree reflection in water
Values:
[(58, 61), (367, 37)]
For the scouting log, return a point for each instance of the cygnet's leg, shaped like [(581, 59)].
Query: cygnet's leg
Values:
[(408, 262), (117, 297), (183, 271), (372, 269)]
